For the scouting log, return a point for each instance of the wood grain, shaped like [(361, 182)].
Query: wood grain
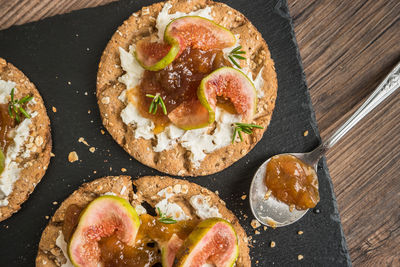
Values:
[(347, 47)]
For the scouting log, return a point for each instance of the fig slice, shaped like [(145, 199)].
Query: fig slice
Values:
[(194, 31), (231, 84), (169, 250), (213, 241), (190, 115), (103, 217)]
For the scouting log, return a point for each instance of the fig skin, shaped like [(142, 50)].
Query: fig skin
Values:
[(197, 236), (87, 212)]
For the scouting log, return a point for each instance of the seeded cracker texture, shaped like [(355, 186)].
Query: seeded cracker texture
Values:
[(39, 141), (176, 160), (147, 187)]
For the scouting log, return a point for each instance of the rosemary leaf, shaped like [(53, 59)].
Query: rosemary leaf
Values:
[(239, 57), (234, 61)]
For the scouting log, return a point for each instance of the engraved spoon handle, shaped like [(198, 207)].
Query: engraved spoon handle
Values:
[(390, 84)]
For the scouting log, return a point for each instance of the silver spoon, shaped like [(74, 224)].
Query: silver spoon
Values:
[(272, 212)]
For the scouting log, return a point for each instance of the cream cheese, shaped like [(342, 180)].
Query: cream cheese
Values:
[(60, 242), (199, 141), (19, 135), (170, 208), (203, 208)]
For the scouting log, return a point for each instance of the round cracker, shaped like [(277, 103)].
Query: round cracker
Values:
[(35, 166), (49, 255), (176, 160)]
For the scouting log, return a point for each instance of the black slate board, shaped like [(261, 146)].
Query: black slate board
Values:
[(66, 49)]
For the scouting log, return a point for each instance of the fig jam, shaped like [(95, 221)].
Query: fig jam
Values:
[(178, 82), (6, 123), (292, 181)]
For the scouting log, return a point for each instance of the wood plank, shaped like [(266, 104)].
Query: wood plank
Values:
[(347, 47)]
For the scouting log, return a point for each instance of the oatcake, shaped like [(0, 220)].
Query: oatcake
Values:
[(50, 254), (38, 142), (176, 160)]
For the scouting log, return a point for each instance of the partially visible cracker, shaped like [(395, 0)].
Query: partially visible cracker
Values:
[(35, 166), (49, 255), (176, 160)]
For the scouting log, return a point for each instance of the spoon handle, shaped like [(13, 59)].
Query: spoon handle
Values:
[(390, 84)]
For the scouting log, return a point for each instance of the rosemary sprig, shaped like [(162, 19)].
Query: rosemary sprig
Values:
[(164, 219), (236, 53), (15, 107), (245, 128), (157, 100)]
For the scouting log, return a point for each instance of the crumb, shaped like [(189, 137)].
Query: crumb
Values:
[(52, 154), (265, 228), (257, 232), (87, 49), (300, 232), (94, 172), (216, 192), (123, 170), (255, 224), (300, 257), (257, 261), (88, 112), (55, 203), (102, 131), (82, 140), (73, 156), (110, 168), (54, 109), (272, 244), (46, 217), (92, 149), (85, 93), (243, 197), (305, 133), (69, 83)]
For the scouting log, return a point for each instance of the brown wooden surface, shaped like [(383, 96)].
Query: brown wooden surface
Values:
[(347, 47)]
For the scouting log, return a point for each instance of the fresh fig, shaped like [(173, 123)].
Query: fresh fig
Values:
[(169, 250), (213, 241), (180, 33), (103, 217), (189, 115), (231, 84)]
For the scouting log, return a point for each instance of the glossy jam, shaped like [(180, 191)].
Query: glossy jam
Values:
[(292, 181), (6, 123), (178, 82), (116, 253)]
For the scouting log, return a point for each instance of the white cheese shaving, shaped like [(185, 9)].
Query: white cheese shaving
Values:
[(203, 208), (168, 207), (60, 242), (19, 135), (140, 209)]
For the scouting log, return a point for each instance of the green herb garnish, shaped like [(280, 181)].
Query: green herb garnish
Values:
[(236, 53), (245, 128), (157, 100), (164, 219), (15, 107)]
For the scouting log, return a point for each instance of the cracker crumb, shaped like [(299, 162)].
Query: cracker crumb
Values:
[(55, 203), (300, 232), (73, 156), (123, 170), (255, 224), (92, 149), (102, 131), (268, 194), (69, 83), (82, 140), (265, 228), (94, 172), (243, 197), (110, 168), (54, 109), (291, 207), (46, 217), (257, 232), (272, 244), (216, 192), (300, 257), (52, 154), (305, 133), (89, 111)]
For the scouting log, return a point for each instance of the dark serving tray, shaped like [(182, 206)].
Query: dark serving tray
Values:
[(60, 55)]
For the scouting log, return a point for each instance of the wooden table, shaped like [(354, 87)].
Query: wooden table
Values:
[(347, 47)]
